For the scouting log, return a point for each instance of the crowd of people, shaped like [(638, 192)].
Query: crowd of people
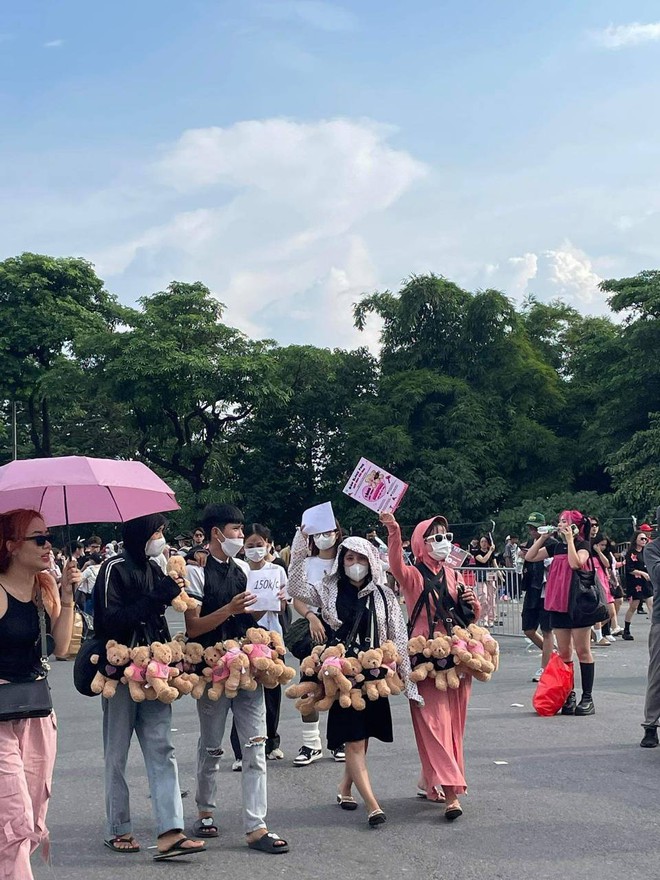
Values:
[(357, 591)]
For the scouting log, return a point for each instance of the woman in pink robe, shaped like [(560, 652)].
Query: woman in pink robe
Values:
[(439, 723)]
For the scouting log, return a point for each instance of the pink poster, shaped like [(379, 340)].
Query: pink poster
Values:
[(375, 488)]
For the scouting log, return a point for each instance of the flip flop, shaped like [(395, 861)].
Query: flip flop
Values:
[(267, 843), (347, 803), (376, 818), (205, 828), (177, 850), (112, 844), (452, 813)]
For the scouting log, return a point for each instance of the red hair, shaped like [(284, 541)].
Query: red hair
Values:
[(13, 526), (577, 519)]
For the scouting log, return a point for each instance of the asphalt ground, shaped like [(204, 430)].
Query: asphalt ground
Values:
[(559, 797)]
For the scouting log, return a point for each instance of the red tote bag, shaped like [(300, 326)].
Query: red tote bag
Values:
[(555, 685)]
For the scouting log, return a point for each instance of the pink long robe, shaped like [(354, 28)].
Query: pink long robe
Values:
[(439, 725)]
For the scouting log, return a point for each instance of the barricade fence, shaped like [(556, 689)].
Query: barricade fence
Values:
[(498, 591)]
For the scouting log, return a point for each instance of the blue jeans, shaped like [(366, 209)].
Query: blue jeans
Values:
[(249, 711), (152, 722)]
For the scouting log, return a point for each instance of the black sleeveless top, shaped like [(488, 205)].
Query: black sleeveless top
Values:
[(223, 581), (19, 640)]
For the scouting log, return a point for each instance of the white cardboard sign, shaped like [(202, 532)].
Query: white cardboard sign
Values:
[(320, 518)]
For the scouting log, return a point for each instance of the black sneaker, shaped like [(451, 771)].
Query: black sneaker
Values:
[(307, 756), (585, 707), (628, 637), (650, 738), (569, 706), (339, 755)]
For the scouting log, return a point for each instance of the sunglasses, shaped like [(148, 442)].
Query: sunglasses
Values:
[(39, 540), (449, 536), (643, 540)]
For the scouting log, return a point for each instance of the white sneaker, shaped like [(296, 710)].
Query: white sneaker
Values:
[(307, 756), (610, 639), (275, 755), (617, 631), (537, 675), (237, 766)]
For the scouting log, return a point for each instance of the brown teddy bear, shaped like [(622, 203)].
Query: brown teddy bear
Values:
[(489, 643), (176, 568), (193, 667), (216, 671), (421, 665), (332, 677), (459, 648), (375, 674), (308, 690), (136, 673), (117, 658), (262, 657), (438, 650), (238, 663), (391, 659), (353, 672), (181, 681), (159, 673)]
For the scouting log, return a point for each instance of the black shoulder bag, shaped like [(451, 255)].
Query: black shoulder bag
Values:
[(29, 699), (446, 610), (586, 600)]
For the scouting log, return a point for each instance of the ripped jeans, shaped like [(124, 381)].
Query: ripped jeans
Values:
[(27, 756), (249, 711)]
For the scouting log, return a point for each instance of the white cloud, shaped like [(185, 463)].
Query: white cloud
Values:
[(53, 44), (315, 13), (571, 272), (622, 35), (280, 230)]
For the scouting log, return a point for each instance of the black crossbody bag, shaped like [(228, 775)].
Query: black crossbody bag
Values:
[(29, 699), (446, 610)]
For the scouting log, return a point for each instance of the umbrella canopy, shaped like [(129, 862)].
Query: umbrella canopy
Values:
[(76, 489)]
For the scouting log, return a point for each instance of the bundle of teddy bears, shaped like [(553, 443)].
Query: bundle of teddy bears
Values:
[(444, 658), (330, 675), (165, 671)]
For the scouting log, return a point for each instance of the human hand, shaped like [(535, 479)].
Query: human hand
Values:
[(316, 628), (387, 518), (241, 602), (71, 577), (469, 595)]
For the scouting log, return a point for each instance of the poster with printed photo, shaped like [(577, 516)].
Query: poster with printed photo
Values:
[(374, 487)]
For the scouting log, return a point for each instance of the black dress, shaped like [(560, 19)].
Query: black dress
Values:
[(375, 721)]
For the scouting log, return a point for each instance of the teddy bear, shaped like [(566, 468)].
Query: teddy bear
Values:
[(216, 672), (459, 648), (492, 648), (375, 684), (181, 681), (438, 650), (136, 673), (308, 690), (159, 673), (238, 663), (277, 643), (176, 568), (391, 659), (332, 677), (352, 669), (262, 657), (421, 665), (193, 666), (117, 658)]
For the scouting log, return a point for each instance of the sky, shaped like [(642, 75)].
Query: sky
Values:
[(295, 154)]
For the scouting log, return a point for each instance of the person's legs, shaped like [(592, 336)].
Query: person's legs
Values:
[(652, 702), (119, 716), (235, 742), (356, 766), (633, 605), (311, 749), (249, 711), (273, 700), (582, 643), (548, 647), (39, 748), (17, 832), (535, 638), (212, 720), (153, 726)]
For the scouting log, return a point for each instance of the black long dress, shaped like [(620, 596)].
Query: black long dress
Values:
[(375, 721)]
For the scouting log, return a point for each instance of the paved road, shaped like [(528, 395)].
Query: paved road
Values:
[(576, 798)]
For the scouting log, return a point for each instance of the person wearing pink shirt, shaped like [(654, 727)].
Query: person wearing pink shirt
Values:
[(439, 723)]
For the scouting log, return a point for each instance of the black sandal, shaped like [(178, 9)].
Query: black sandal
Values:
[(205, 827), (376, 818), (177, 850), (268, 843), (133, 845)]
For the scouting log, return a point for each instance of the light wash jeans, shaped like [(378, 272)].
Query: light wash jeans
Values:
[(152, 721), (249, 711)]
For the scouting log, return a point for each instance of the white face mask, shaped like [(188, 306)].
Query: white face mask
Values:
[(256, 554), (325, 542), (439, 550), (155, 546), (230, 546), (357, 571)]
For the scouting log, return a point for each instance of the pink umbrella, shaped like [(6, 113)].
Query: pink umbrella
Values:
[(76, 489)]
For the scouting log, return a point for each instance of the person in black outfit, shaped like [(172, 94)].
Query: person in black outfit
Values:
[(131, 594), (534, 615), (637, 581)]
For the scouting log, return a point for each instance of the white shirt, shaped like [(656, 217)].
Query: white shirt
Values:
[(195, 575), (279, 581)]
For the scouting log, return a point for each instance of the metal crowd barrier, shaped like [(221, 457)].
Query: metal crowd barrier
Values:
[(498, 591)]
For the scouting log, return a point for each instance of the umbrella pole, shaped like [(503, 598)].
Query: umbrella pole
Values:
[(68, 527)]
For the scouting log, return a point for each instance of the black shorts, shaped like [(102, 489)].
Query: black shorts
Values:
[(534, 614), (638, 590), (563, 620)]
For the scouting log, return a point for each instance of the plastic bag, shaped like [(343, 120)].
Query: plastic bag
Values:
[(554, 687)]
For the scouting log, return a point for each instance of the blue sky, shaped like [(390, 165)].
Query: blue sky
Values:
[(293, 154)]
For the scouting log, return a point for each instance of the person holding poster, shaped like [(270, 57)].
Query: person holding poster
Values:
[(438, 722), (360, 611)]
